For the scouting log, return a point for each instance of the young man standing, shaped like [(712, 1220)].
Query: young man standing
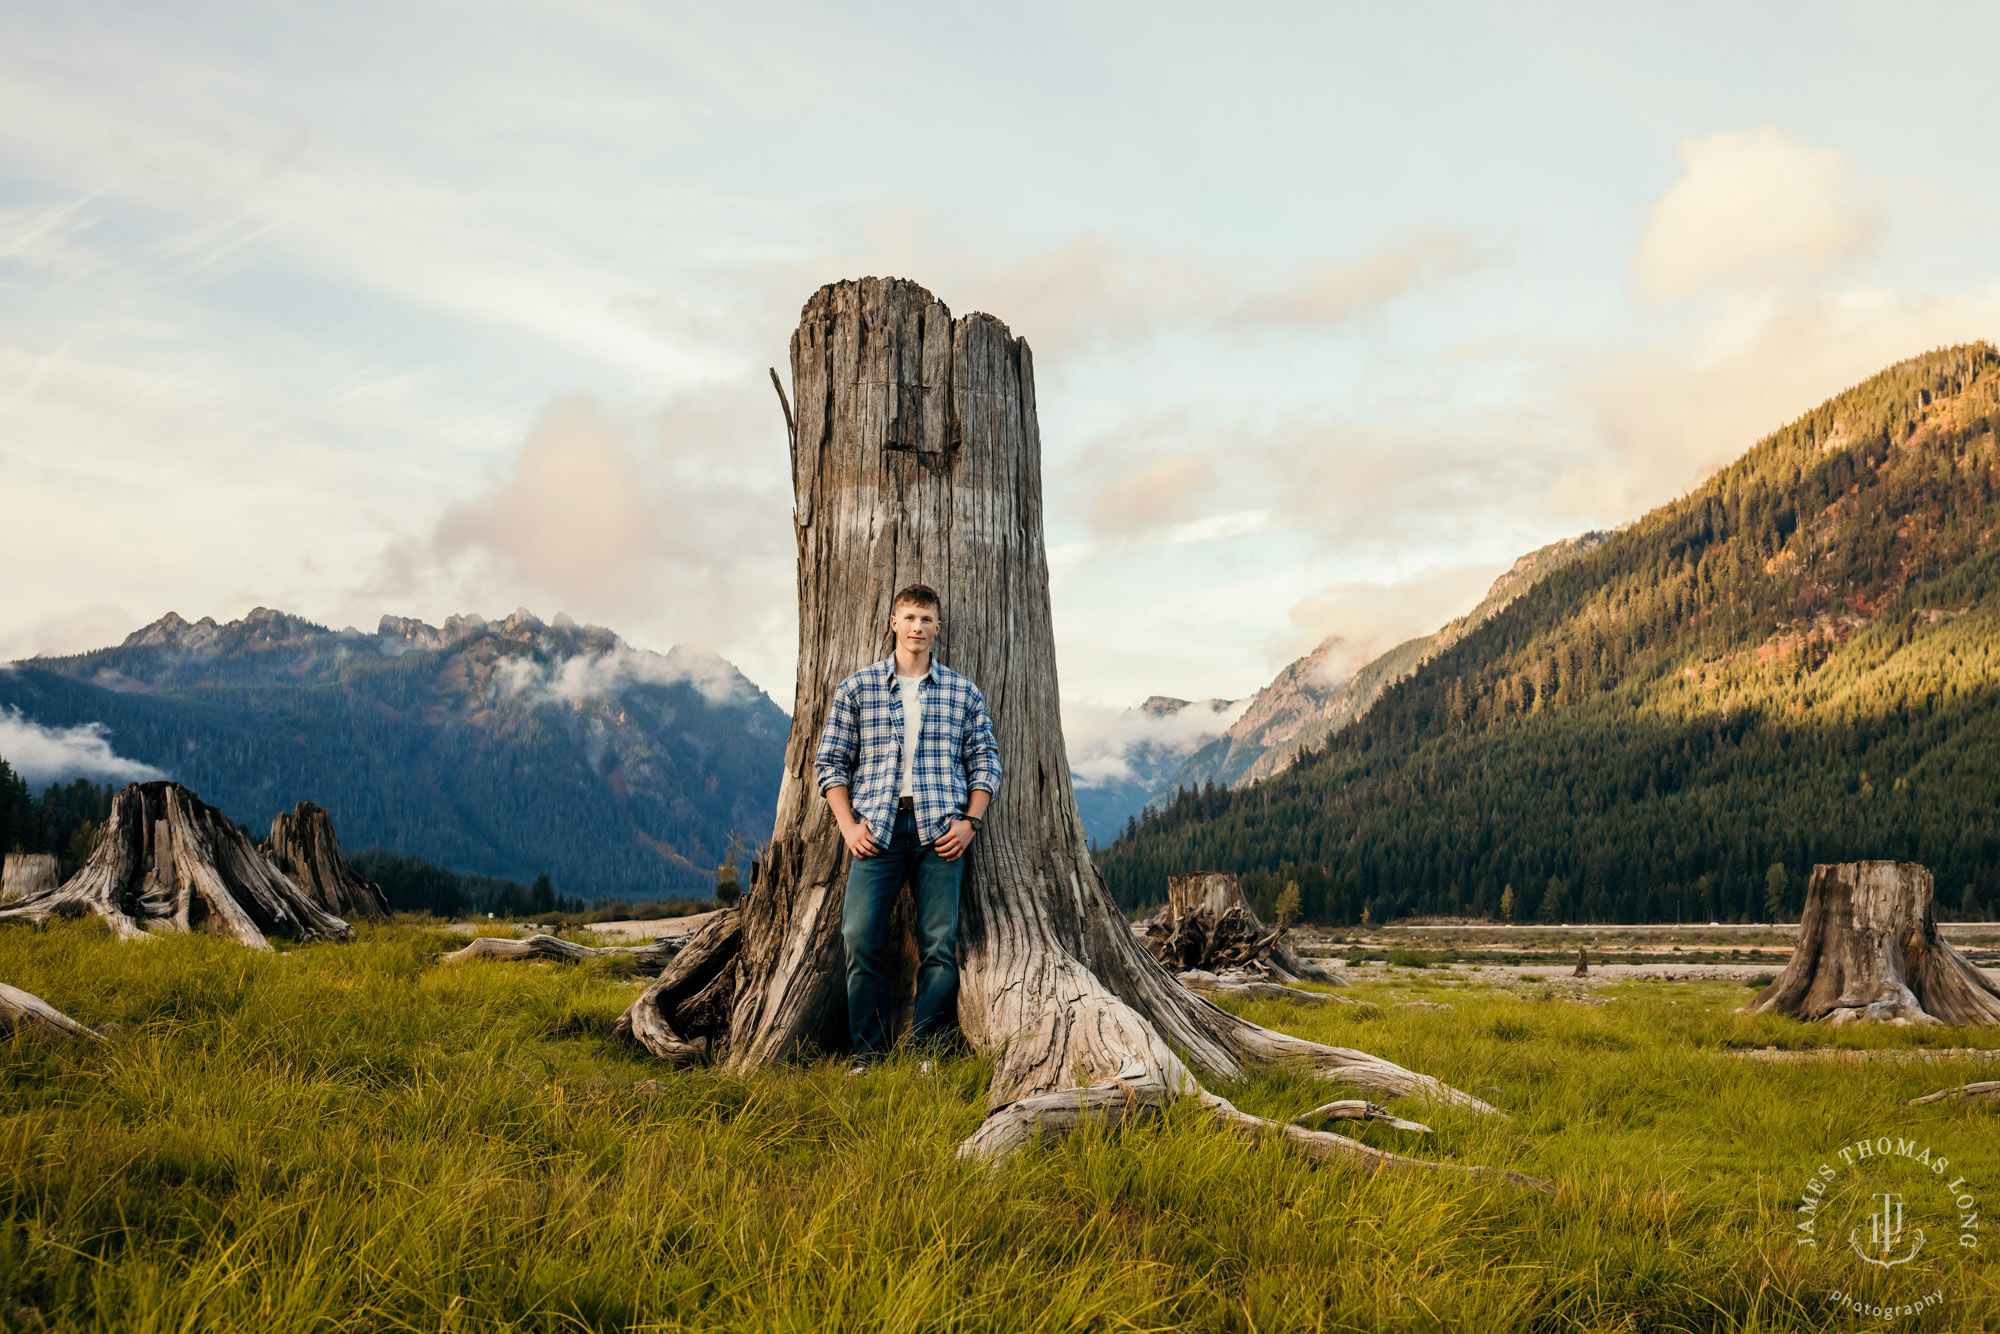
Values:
[(908, 763)]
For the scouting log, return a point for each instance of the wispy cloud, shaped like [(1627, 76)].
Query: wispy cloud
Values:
[(598, 676), (1105, 743)]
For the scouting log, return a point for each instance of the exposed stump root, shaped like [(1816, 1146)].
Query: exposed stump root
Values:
[(1869, 950), (685, 1013), (166, 861), (21, 1012), (1121, 1101), (1986, 1091)]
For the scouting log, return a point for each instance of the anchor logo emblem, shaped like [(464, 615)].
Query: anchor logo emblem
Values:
[(1885, 1233)]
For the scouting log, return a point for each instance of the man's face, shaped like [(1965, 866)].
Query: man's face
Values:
[(914, 627)]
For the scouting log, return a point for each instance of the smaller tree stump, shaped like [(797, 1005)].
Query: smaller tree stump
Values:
[(1869, 949), (1582, 968), (167, 861), (26, 873), (302, 845), (1208, 926)]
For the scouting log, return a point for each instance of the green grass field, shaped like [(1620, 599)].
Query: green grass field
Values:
[(349, 1138)]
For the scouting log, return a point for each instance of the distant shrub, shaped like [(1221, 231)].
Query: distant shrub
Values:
[(1404, 957), (1759, 982)]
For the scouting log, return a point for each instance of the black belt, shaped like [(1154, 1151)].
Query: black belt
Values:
[(906, 804)]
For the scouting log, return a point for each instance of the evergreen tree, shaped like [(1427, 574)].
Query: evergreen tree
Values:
[(1776, 882), (1553, 902), (1507, 904), (1288, 904)]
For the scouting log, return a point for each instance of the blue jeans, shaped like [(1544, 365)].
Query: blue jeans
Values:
[(872, 883)]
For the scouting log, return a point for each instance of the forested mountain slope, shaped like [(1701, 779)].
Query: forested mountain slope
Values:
[(1797, 662), (1304, 705), (505, 748)]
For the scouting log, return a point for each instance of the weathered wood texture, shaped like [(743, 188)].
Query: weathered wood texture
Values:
[(302, 845), (554, 949), (685, 1014), (917, 457), (1208, 925), (1986, 1091), (1869, 949), (21, 1012), (167, 861), (25, 873)]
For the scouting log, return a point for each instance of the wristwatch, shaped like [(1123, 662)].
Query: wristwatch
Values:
[(977, 822)]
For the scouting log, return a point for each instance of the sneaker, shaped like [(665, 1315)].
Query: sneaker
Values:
[(858, 1068), (926, 1066)]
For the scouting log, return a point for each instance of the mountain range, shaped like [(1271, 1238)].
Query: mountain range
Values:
[(1796, 662), (505, 748)]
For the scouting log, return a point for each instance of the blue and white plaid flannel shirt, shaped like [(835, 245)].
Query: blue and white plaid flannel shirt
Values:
[(861, 748)]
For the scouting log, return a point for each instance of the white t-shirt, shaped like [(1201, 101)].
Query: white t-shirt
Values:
[(913, 726)]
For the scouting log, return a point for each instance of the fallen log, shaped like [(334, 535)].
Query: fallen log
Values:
[(1869, 950), (165, 861), (1985, 1091), (21, 1012), (650, 958)]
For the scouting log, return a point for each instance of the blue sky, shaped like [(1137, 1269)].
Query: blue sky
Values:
[(426, 309)]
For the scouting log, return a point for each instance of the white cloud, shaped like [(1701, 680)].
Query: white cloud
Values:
[(672, 524), (1105, 742), (44, 755), (1758, 203), (603, 675)]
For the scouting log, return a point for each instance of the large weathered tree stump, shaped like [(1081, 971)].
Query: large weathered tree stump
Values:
[(1208, 925), (303, 846), (25, 873), (167, 861), (916, 456), (1869, 949)]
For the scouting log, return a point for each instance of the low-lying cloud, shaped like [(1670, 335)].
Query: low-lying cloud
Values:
[(604, 675), (43, 755), (1104, 743)]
